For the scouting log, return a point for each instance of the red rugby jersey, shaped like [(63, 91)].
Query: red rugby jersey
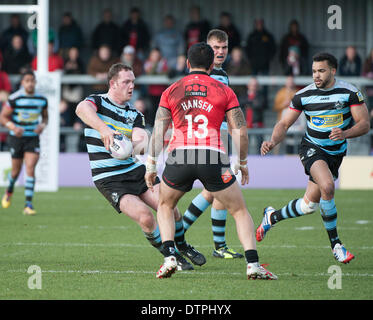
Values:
[(198, 104)]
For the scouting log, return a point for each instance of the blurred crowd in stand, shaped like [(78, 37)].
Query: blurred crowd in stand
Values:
[(163, 52)]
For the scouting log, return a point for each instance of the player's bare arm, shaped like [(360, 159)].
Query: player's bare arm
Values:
[(6, 121), (140, 140), (236, 121), (279, 131), (162, 121), (87, 113), (360, 115)]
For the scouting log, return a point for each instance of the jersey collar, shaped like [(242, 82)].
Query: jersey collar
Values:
[(199, 72)]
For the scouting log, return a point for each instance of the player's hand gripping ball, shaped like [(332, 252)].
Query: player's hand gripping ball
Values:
[(121, 148)]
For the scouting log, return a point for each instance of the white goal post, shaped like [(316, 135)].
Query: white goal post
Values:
[(49, 85)]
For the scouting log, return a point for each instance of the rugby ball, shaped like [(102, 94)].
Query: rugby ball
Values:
[(121, 148)]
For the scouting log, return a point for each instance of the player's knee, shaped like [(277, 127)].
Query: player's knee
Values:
[(308, 208), (146, 220), (327, 190), (207, 195)]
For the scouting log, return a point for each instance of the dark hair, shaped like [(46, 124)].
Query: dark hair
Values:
[(27, 72), (200, 55), (220, 35), (115, 69), (322, 56)]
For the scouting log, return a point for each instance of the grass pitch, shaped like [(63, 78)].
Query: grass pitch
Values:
[(85, 250)]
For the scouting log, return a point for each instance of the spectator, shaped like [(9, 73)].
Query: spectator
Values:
[(16, 57), (368, 72), (141, 105), (66, 120), (294, 39), (135, 32), (73, 64), (5, 85), (155, 65), (15, 28), (170, 41), (129, 58), (99, 65), (238, 66), (5, 90), (197, 29), (254, 105), (107, 32), (72, 93), (180, 69), (260, 48), (294, 64), (70, 35), (33, 39), (350, 64), (234, 36), (283, 97), (55, 61)]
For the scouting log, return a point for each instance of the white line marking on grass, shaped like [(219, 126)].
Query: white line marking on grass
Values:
[(131, 245), (305, 228), (362, 222), (317, 274)]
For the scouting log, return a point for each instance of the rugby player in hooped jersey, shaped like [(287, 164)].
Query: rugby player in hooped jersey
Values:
[(197, 152), (335, 111), (122, 181), (21, 114)]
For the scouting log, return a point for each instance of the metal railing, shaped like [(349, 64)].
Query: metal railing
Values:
[(357, 146), (272, 80)]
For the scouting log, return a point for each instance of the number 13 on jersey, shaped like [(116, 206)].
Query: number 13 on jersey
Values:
[(202, 126)]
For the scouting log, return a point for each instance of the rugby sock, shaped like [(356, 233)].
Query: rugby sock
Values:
[(291, 210), (154, 238), (251, 256), (11, 184), (218, 218), (198, 205), (329, 217), (29, 189), (179, 234)]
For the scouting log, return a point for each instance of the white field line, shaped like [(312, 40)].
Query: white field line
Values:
[(317, 274), (130, 245)]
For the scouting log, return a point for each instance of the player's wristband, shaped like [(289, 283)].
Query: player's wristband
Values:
[(243, 162), (8, 124), (153, 158), (151, 167)]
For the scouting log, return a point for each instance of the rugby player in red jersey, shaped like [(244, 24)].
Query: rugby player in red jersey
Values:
[(197, 105)]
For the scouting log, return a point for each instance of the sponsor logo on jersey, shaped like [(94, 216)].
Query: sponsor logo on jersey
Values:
[(326, 121), (125, 131), (359, 96), (195, 90), (28, 117)]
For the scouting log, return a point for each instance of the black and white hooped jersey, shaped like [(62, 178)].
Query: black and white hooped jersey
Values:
[(326, 109), (27, 110), (122, 118), (220, 75)]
